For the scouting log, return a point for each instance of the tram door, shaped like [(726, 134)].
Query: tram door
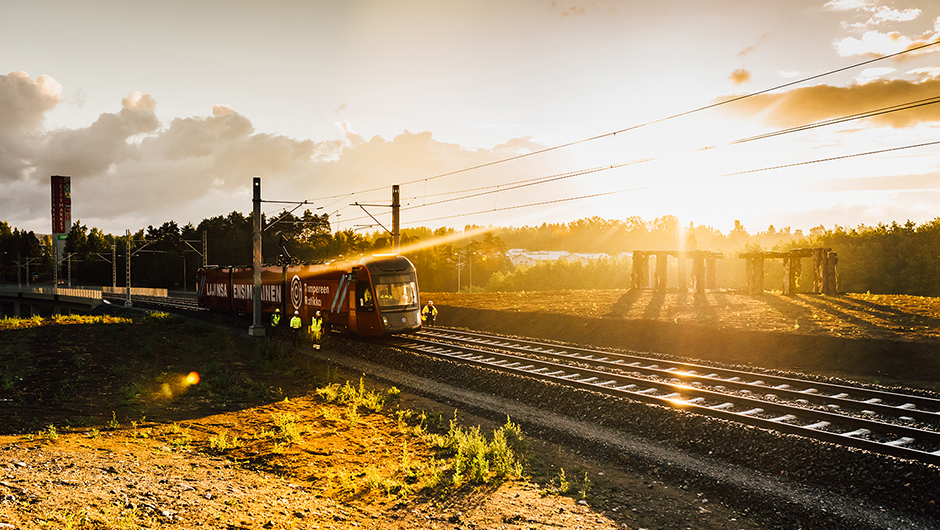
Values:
[(352, 305)]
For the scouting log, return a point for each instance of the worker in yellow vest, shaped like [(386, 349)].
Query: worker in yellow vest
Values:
[(429, 314), (275, 321), (295, 325), (316, 329)]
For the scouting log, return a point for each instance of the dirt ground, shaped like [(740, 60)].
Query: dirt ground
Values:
[(106, 428), (102, 427)]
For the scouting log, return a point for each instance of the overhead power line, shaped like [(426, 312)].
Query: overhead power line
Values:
[(645, 124), (477, 192), (615, 192)]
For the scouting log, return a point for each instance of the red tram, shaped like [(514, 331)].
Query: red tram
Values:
[(372, 296)]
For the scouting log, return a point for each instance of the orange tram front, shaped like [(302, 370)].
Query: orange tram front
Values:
[(373, 296)]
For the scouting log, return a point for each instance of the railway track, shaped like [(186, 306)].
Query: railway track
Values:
[(169, 302), (902, 425)]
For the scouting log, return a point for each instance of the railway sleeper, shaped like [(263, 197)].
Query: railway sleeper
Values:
[(856, 433), (900, 441)]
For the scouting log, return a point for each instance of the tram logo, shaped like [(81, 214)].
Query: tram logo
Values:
[(296, 292)]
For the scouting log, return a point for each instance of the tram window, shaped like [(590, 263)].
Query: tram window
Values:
[(396, 291)]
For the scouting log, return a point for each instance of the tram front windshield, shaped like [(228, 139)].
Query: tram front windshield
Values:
[(397, 291)]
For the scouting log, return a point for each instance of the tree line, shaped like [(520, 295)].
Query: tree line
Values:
[(889, 259)]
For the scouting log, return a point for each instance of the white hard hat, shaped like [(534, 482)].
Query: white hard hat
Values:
[(318, 313), (296, 312), (430, 302)]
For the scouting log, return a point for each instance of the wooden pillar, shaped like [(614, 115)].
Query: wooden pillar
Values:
[(754, 281), (683, 280), (711, 274), (789, 275), (659, 280), (641, 269), (831, 285), (819, 270), (698, 273), (796, 265)]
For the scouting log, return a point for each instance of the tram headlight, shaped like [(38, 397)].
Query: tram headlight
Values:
[(385, 320)]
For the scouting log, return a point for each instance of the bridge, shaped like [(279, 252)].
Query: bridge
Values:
[(28, 300)]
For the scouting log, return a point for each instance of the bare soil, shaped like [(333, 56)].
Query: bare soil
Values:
[(132, 444)]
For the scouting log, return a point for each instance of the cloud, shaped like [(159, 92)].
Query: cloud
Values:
[(877, 14), (566, 9), (875, 43), (870, 74), (130, 170), (926, 72), (887, 14), (740, 76), (93, 150), (751, 49), (351, 135), (849, 5), (24, 101), (569, 8), (806, 105), (885, 183)]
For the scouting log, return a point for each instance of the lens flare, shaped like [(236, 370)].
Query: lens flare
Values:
[(192, 378)]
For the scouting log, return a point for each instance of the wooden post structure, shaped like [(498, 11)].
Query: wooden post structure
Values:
[(831, 286), (698, 273), (825, 273), (683, 278), (754, 275), (789, 275), (819, 270), (659, 279), (711, 273), (641, 267)]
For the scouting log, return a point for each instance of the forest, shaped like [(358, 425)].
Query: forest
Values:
[(886, 259)]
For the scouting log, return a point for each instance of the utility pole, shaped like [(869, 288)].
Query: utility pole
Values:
[(127, 299), (257, 327), (396, 219), (395, 232), (127, 286), (113, 263)]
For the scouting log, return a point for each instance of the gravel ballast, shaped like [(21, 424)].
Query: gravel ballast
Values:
[(784, 480)]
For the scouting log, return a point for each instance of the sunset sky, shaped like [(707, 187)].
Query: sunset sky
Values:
[(166, 110)]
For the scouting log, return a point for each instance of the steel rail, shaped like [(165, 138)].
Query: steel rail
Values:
[(898, 439), (869, 400)]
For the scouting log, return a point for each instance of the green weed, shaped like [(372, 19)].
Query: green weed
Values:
[(478, 460), (222, 442), (50, 433), (287, 427)]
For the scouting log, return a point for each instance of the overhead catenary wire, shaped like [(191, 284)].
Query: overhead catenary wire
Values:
[(652, 122), (476, 192), (736, 173)]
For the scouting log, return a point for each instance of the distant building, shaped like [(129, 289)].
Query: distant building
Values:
[(526, 258)]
